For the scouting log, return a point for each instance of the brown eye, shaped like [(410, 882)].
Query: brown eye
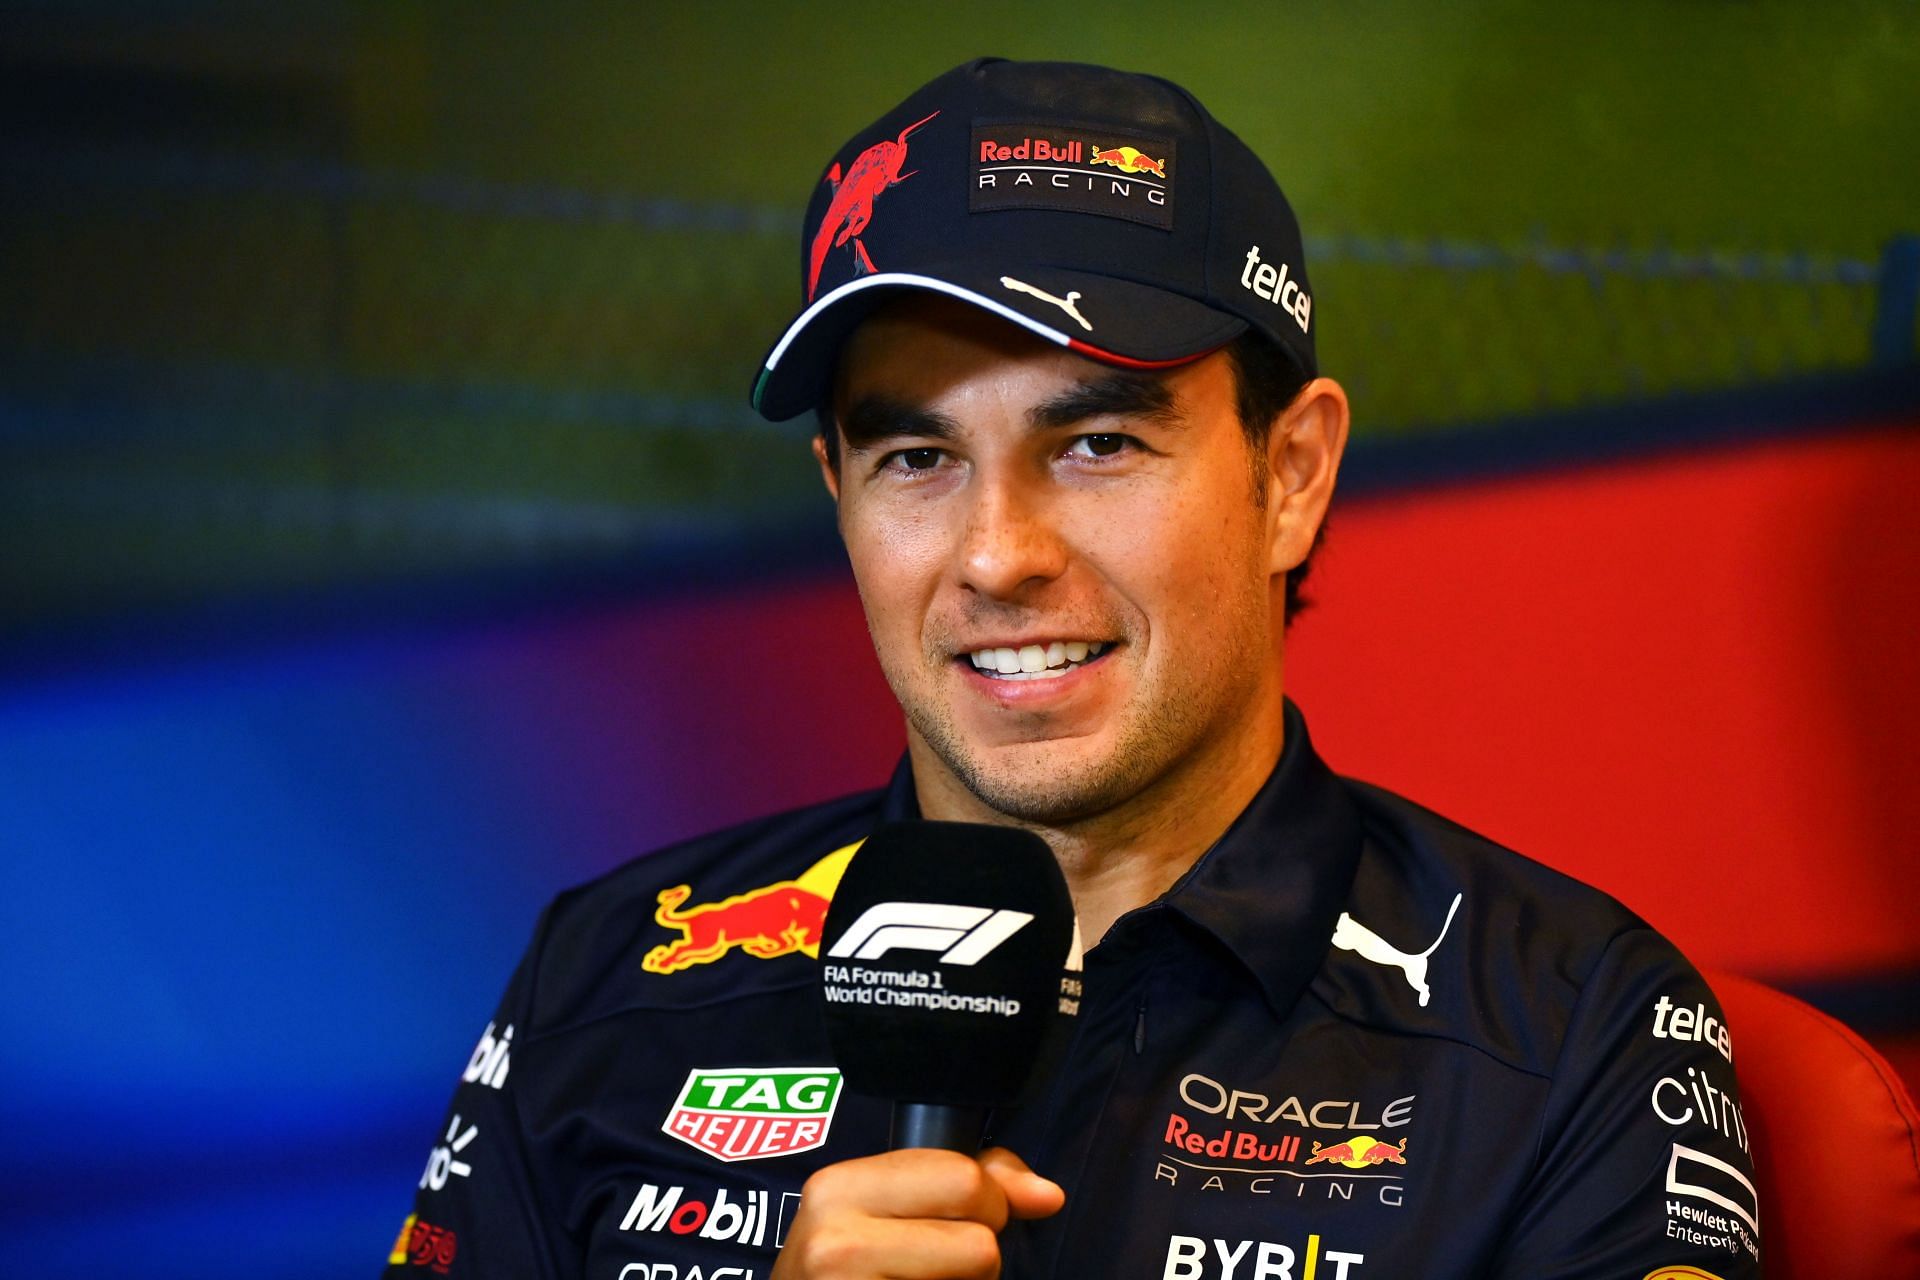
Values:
[(920, 459), (1104, 445)]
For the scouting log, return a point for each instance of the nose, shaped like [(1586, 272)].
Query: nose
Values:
[(1011, 543)]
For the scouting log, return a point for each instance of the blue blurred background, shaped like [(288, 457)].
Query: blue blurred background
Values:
[(386, 544)]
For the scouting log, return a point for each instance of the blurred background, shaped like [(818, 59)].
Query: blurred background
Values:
[(386, 543)]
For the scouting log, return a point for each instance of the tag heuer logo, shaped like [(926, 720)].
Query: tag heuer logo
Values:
[(753, 1113)]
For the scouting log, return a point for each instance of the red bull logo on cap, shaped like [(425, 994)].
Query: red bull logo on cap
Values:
[(1129, 160), (779, 919), (1360, 1152), (1028, 166)]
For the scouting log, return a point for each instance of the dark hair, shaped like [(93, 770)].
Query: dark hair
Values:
[(1265, 383)]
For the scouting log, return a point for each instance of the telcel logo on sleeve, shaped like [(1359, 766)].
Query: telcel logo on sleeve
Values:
[(754, 1113)]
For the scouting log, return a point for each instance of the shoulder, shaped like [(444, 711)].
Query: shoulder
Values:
[(1448, 933), (715, 918)]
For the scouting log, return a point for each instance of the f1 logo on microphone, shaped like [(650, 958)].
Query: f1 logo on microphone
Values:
[(964, 935)]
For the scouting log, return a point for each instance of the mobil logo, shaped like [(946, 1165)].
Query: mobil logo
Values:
[(740, 1218), (492, 1059)]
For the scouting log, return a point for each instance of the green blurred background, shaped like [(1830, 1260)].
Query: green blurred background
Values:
[(323, 296)]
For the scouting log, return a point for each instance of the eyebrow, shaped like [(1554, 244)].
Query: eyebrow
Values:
[(875, 418), (1120, 395), (872, 419)]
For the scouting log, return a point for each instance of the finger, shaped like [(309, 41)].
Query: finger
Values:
[(919, 1183), (1028, 1195), (896, 1248)]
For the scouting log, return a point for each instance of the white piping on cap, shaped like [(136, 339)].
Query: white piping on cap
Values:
[(923, 282)]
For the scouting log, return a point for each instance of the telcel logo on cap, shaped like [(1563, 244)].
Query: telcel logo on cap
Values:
[(1276, 288)]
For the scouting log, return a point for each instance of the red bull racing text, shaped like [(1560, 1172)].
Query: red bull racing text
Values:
[(1020, 167)]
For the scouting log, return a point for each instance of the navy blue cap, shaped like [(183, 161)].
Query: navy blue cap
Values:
[(1105, 211)]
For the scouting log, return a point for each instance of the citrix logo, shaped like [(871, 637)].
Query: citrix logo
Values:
[(1274, 286), (964, 935), (491, 1059)]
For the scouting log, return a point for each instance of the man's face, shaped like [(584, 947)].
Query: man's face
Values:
[(1070, 584)]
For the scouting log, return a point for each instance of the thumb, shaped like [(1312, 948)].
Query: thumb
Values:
[(1028, 1194)]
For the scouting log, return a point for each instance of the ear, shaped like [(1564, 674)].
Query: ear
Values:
[(828, 476), (1303, 459)]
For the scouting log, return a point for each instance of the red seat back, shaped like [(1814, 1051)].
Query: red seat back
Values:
[(1836, 1141)]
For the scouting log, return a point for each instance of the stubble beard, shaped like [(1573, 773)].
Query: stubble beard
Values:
[(1151, 746)]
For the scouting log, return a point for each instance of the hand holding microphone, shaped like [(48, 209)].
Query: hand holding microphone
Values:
[(951, 976)]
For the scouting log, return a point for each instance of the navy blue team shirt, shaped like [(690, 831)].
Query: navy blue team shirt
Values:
[(1355, 1042)]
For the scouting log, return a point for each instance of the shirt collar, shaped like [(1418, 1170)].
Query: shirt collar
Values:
[(1273, 884), (1270, 888)]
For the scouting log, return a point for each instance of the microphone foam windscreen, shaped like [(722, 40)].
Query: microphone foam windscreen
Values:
[(951, 964)]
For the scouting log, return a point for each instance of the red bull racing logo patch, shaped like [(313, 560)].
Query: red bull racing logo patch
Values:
[(780, 919), (754, 1113), (1015, 166)]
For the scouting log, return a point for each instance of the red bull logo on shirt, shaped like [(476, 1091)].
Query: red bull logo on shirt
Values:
[(779, 919), (1360, 1152)]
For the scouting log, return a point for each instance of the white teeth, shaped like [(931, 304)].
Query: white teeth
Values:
[(1027, 662)]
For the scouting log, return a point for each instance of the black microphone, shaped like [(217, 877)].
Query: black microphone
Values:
[(951, 974)]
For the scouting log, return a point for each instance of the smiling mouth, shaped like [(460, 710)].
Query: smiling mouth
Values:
[(1035, 661)]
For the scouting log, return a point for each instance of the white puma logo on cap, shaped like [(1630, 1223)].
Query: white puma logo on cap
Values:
[(1065, 304), (1350, 935)]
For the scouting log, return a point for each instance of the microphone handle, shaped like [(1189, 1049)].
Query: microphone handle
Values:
[(934, 1124)]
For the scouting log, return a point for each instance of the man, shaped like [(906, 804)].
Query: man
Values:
[(1059, 334)]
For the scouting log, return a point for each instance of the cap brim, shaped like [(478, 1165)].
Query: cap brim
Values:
[(1118, 322)]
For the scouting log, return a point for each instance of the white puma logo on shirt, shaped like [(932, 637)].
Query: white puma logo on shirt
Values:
[(1350, 935)]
